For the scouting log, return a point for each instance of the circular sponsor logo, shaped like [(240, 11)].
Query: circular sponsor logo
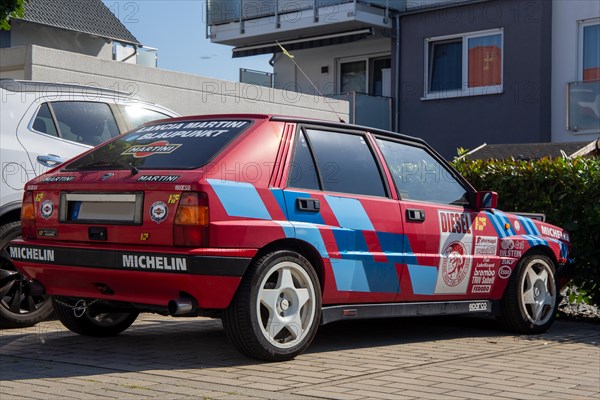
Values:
[(46, 209), (158, 211), (454, 264), (508, 244), (517, 226), (504, 272)]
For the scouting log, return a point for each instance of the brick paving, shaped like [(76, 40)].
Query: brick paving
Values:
[(167, 358)]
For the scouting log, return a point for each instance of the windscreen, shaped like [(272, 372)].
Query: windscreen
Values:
[(175, 145)]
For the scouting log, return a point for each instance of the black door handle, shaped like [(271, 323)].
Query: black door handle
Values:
[(415, 215), (312, 205)]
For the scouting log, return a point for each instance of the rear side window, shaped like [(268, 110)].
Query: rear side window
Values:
[(303, 173), (43, 121), (346, 163), (85, 122), (175, 145)]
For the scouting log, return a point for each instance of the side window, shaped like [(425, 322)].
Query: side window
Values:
[(346, 163), (136, 116), (419, 176), (303, 173), (43, 121), (85, 122)]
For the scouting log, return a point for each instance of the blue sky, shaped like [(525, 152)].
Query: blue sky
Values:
[(178, 30)]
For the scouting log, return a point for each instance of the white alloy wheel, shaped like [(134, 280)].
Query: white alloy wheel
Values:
[(276, 311), (286, 304), (538, 291)]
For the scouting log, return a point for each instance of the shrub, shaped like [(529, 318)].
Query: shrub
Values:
[(566, 190)]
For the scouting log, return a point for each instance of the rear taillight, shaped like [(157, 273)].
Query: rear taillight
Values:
[(191, 221), (28, 216)]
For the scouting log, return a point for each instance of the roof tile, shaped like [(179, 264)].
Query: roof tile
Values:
[(88, 16)]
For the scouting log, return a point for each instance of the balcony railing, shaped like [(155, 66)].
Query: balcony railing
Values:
[(373, 111), (583, 102), (224, 11), (254, 77)]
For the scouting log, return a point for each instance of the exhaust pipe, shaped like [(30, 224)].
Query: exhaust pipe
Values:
[(181, 306)]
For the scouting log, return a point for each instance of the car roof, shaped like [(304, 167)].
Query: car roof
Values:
[(20, 86), (298, 120), (14, 85)]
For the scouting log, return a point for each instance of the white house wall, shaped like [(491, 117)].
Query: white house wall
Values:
[(288, 76), (24, 33), (184, 93), (565, 49)]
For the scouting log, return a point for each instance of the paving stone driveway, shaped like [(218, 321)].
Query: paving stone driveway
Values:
[(167, 358)]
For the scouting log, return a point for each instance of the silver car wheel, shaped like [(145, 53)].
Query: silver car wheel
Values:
[(538, 291), (286, 304)]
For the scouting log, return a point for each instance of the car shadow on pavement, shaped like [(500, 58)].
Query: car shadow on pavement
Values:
[(159, 344), (397, 331)]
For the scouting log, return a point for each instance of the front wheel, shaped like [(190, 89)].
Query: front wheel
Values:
[(530, 300), (79, 316), (277, 309)]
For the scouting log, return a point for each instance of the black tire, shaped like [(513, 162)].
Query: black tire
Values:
[(279, 332), (18, 308), (531, 297), (90, 323)]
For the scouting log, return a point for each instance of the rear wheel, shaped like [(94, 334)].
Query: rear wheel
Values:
[(79, 316), (277, 309), (530, 301), (18, 306)]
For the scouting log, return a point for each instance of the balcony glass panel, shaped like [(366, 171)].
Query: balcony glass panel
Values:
[(372, 111), (253, 77), (584, 106), (223, 11)]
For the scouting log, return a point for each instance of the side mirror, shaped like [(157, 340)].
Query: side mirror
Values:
[(485, 200)]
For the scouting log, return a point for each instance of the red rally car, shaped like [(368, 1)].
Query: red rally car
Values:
[(277, 225)]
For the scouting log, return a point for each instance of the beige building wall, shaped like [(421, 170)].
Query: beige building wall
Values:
[(184, 93), (25, 33)]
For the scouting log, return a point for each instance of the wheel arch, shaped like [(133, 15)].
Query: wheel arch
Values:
[(542, 250), (301, 247), (10, 212)]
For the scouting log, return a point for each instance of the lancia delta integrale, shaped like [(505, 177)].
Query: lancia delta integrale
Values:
[(277, 225)]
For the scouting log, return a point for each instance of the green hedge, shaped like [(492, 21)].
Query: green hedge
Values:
[(566, 190)]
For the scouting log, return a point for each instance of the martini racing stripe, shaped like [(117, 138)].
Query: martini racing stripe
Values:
[(497, 224), (138, 261), (240, 199), (505, 221)]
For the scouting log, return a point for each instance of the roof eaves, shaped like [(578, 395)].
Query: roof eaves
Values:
[(112, 38)]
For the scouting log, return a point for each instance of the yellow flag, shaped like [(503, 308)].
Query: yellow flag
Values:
[(285, 51)]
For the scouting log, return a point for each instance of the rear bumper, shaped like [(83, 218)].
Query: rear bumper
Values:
[(211, 276)]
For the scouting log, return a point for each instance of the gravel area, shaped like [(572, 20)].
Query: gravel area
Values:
[(580, 311)]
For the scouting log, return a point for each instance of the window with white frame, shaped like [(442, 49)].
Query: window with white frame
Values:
[(589, 50), (369, 75), (464, 65)]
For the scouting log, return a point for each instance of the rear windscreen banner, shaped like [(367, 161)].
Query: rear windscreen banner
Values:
[(175, 145), (205, 129)]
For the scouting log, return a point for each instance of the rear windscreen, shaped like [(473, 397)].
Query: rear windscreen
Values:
[(179, 145)]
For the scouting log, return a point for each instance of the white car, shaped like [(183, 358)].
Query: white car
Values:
[(41, 125)]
